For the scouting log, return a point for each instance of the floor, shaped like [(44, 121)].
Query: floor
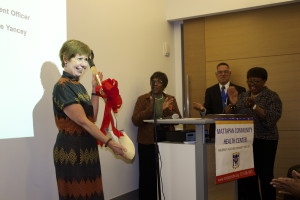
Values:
[(134, 195)]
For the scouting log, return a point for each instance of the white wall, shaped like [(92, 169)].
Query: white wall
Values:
[(127, 38), (183, 9)]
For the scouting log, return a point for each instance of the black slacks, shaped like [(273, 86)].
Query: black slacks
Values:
[(264, 157), (147, 172)]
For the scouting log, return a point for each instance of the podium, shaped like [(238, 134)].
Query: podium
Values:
[(185, 177)]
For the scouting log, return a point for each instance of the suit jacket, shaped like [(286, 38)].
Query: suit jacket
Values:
[(213, 103), (213, 99)]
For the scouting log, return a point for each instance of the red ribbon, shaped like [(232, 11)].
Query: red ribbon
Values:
[(113, 103)]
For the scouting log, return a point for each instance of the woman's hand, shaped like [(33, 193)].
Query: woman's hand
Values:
[(290, 186), (232, 95), (250, 101), (167, 103), (117, 148), (95, 79)]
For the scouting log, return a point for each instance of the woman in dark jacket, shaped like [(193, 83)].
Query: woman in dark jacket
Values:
[(165, 106)]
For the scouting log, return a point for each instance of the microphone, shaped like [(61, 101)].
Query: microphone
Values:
[(152, 84), (152, 90), (153, 101), (153, 98)]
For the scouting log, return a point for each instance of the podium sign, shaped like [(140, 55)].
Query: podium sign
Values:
[(233, 147)]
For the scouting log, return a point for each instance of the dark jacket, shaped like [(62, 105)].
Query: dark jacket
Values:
[(213, 99), (142, 111), (213, 102)]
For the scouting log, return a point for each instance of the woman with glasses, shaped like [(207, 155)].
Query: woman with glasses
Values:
[(265, 106), (165, 106)]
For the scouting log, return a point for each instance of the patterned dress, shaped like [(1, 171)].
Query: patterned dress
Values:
[(75, 152)]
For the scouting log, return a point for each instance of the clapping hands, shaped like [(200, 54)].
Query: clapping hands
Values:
[(290, 186), (232, 95)]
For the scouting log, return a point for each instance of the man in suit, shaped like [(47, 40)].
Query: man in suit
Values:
[(216, 98)]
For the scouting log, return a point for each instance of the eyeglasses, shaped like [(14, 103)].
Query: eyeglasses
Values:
[(157, 81), (223, 72), (254, 82)]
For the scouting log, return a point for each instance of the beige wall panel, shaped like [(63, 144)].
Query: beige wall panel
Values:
[(287, 152), (283, 78), (262, 32), (194, 60)]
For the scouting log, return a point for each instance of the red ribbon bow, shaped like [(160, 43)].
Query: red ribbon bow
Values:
[(113, 103)]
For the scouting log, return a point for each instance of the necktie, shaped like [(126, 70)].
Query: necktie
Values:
[(224, 96)]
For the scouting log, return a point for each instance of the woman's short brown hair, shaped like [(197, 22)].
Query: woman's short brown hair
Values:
[(71, 48)]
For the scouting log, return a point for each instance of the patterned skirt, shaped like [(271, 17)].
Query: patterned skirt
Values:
[(77, 167)]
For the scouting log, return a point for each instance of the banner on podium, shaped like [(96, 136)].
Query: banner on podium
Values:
[(233, 147)]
